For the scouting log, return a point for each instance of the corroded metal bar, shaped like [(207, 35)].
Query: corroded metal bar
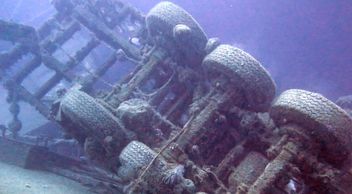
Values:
[(232, 158), (26, 38), (81, 54), (26, 96), (59, 39), (91, 79), (27, 69), (247, 171), (34, 63), (196, 126), (17, 32), (48, 86), (141, 75), (181, 100), (46, 28), (103, 68), (104, 33), (159, 96), (50, 45), (335, 178), (274, 170), (61, 68), (55, 65), (9, 58)]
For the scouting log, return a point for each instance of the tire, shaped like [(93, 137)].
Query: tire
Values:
[(162, 19), (328, 123), (245, 72), (345, 102), (87, 114), (135, 157)]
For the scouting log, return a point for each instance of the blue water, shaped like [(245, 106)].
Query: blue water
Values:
[(304, 44)]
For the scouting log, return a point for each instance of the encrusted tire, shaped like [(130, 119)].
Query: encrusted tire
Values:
[(327, 122), (85, 112), (162, 19), (345, 102), (135, 157), (244, 72)]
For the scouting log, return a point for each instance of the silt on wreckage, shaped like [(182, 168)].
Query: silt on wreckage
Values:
[(194, 115)]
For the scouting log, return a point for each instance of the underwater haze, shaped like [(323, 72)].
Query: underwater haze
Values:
[(303, 44), (97, 98)]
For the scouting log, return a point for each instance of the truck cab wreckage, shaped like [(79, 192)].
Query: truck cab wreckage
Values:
[(194, 115)]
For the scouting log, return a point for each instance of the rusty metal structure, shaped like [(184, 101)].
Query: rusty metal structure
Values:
[(193, 116)]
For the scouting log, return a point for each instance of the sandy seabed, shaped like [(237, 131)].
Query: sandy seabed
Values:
[(16, 180)]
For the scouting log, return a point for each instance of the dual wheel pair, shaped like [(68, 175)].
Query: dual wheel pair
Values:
[(323, 119)]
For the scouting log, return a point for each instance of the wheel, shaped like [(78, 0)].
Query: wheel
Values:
[(245, 73), (87, 114), (134, 158), (345, 102), (161, 176), (173, 22), (327, 122)]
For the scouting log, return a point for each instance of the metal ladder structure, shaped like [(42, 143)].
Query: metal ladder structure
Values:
[(52, 35)]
